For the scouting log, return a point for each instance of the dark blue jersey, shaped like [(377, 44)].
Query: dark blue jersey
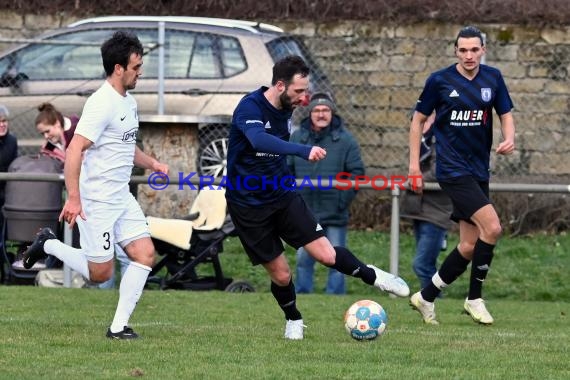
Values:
[(463, 126), (257, 164)]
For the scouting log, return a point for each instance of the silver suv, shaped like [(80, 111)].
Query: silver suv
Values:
[(208, 65)]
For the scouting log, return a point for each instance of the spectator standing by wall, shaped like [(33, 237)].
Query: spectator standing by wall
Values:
[(429, 211), (8, 153), (324, 128)]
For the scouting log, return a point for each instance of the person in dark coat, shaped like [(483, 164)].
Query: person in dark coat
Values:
[(430, 212), (325, 128), (8, 153)]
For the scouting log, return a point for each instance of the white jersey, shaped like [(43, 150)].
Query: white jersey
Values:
[(110, 121)]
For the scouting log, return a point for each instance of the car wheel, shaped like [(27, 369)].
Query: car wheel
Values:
[(213, 153)]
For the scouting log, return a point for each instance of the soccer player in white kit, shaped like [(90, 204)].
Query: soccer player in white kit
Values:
[(97, 171)]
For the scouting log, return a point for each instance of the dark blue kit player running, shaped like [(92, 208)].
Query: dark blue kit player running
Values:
[(463, 96), (262, 200)]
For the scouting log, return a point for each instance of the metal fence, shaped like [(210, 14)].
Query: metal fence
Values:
[(375, 79), (392, 187)]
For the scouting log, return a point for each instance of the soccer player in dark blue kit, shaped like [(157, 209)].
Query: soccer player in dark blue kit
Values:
[(463, 96), (263, 203)]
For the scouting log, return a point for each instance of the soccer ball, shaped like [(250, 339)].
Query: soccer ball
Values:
[(365, 320)]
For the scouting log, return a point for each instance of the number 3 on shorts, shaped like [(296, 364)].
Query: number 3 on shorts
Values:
[(107, 237)]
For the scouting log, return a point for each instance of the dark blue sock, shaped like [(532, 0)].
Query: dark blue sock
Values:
[(347, 263), (287, 300), (452, 267), (482, 257)]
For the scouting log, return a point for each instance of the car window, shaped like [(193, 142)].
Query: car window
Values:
[(193, 55), (178, 47), (216, 57), (77, 55), (233, 59), (204, 63), (65, 60), (282, 47)]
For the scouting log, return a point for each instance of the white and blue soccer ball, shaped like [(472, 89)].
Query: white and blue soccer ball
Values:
[(365, 320)]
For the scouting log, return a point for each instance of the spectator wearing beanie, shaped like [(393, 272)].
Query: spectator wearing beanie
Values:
[(324, 128)]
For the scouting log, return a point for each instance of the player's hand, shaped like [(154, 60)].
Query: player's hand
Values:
[(160, 167), (506, 147), (415, 181), (317, 153), (71, 209)]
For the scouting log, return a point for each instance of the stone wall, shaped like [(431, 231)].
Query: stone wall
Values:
[(176, 145), (378, 72)]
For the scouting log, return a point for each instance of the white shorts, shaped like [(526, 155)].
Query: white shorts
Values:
[(110, 223)]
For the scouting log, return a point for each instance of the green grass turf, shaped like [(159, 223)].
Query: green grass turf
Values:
[(59, 333)]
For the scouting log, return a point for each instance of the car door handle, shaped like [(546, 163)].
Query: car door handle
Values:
[(195, 92), (85, 93)]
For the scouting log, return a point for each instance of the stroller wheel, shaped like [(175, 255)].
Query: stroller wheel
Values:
[(240, 287)]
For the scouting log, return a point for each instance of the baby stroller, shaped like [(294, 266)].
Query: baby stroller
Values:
[(28, 207), (194, 240)]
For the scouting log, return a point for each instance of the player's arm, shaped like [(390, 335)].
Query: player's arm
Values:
[(249, 120), (504, 106), (415, 138), (143, 160), (267, 143), (71, 172), (428, 123), (507, 146)]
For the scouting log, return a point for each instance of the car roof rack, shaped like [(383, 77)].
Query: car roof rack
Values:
[(251, 26)]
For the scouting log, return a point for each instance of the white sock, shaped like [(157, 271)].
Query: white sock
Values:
[(130, 291), (73, 257), (438, 282)]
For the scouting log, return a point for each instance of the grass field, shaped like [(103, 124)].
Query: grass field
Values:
[(531, 268), (59, 333)]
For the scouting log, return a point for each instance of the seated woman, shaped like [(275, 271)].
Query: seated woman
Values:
[(56, 129)]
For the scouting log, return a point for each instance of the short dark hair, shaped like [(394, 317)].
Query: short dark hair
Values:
[(469, 32), (286, 68), (118, 50)]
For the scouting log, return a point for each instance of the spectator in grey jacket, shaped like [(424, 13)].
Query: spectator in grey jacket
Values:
[(430, 212), (325, 128)]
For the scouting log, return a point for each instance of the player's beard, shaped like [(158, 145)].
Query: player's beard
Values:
[(286, 104), (131, 85)]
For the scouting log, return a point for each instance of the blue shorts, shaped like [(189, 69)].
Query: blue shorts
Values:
[(467, 196), (261, 229)]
